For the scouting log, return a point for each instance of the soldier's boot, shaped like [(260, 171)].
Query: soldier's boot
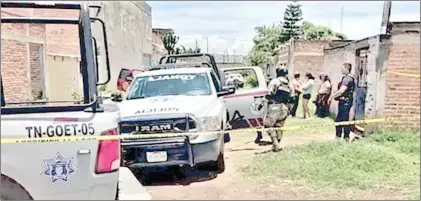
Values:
[(259, 137), (275, 143), (279, 135)]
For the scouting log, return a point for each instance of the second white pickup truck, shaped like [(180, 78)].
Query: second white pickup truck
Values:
[(184, 100), (174, 100)]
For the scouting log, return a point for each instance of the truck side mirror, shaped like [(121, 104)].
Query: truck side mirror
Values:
[(226, 90), (129, 78)]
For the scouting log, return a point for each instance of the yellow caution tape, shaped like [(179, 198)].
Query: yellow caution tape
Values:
[(405, 74), (166, 135)]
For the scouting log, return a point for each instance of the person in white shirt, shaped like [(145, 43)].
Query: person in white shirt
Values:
[(307, 89)]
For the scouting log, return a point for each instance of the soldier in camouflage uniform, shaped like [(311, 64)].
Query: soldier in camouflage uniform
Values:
[(276, 106)]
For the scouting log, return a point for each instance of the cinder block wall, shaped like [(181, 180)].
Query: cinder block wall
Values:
[(332, 62), (129, 30), (334, 58)]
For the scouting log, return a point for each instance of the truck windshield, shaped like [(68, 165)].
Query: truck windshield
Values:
[(169, 84)]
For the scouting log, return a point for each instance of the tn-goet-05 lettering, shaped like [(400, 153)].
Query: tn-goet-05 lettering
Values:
[(60, 130)]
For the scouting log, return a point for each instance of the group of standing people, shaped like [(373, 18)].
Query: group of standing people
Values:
[(283, 98), (323, 94)]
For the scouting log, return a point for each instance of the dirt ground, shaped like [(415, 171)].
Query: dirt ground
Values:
[(232, 184)]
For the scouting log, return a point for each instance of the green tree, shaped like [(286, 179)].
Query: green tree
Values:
[(290, 27), (314, 32), (197, 50), (178, 50), (266, 40), (183, 48), (170, 40)]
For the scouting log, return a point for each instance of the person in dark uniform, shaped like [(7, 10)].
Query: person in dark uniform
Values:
[(345, 97)]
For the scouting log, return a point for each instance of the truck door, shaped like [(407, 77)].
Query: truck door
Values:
[(243, 105), (124, 78)]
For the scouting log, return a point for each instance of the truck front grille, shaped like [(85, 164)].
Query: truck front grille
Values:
[(157, 125)]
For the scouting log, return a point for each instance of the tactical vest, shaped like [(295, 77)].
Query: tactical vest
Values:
[(283, 91), (348, 95)]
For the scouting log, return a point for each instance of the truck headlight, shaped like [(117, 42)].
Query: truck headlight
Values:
[(207, 124)]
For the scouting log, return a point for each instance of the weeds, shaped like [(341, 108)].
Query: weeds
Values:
[(381, 160)]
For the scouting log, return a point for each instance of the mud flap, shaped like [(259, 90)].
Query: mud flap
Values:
[(129, 188), (227, 138)]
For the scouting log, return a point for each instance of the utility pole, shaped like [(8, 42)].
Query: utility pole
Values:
[(341, 18), (196, 45), (225, 55), (207, 45), (387, 7), (233, 57)]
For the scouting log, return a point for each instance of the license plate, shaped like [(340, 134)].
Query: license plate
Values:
[(159, 156)]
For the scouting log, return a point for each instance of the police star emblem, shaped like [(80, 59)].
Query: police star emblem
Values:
[(58, 168)]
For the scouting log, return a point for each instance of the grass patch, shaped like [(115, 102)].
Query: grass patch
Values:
[(381, 160)]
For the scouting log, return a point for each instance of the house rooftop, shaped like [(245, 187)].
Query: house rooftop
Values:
[(405, 26), (162, 30)]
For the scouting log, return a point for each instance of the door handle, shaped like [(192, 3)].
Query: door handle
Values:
[(84, 152)]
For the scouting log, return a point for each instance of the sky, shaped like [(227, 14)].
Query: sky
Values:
[(229, 25)]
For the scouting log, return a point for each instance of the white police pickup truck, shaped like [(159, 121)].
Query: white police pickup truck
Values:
[(180, 100), (50, 167)]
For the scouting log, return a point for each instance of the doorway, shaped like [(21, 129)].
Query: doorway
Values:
[(361, 83)]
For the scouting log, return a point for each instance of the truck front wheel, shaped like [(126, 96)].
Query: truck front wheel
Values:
[(218, 165), (11, 190)]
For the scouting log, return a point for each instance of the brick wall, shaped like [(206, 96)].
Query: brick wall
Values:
[(35, 56), (301, 56), (402, 92), (308, 64), (308, 56), (22, 48), (60, 38), (15, 64), (14, 71)]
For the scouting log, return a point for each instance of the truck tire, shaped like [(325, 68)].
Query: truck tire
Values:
[(218, 165), (11, 190), (184, 171)]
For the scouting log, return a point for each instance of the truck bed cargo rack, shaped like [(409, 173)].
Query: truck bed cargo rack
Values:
[(169, 59), (88, 65)]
